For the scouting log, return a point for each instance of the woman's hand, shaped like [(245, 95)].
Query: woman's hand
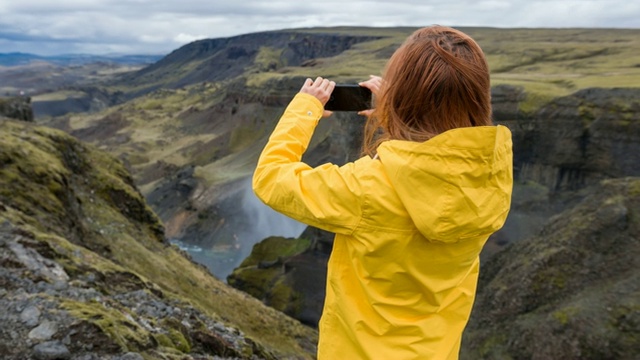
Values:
[(321, 89), (374, 83)]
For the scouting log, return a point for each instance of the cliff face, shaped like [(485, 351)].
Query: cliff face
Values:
[(578, 140), (17, 108), (564, 147), (288, 274), (572, 291), (86, 272), (226, 58)]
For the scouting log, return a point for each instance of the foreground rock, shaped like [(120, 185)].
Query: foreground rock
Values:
[(85, 271), (572, 292)]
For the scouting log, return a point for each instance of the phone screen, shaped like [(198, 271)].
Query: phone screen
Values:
[(349, 98)]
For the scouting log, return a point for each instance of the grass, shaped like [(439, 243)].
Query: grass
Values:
[(119, 233), (59, 96), (546, 63), (549, 63)]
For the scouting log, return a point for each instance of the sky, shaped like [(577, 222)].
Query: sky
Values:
[(51, 27)]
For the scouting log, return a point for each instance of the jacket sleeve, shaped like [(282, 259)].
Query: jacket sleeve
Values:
[(328, 196)]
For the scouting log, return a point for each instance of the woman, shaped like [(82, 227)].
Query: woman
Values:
[(412, 214)]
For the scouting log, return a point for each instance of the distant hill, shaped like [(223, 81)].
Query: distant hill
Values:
[(18, 59), (65, 83)]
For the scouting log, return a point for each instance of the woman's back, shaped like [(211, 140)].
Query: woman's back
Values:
[(402, 284)]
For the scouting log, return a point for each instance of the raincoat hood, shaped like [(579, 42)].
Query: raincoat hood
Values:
[(455, 186)]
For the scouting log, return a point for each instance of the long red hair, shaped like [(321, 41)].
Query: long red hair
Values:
[(436, 81)]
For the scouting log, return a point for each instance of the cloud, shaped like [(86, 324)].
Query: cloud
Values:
[(187, 38), (146, 26)]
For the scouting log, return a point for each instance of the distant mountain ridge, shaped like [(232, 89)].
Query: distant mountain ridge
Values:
[(240, 56), (19, 58)]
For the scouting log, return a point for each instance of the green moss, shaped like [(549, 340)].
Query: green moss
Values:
[(74, 258), (59, 96), (587, 114), (268, 58), (262, 274), (137, 159), (564, 315), (255, 281), (282, 297), (552, 278), (179, 341), (163, 340), (273, 248), (206, 156), (152, 104), (634, 188), (243, 137), (113, 322), (493, 346), (534, 101), (173, 339)]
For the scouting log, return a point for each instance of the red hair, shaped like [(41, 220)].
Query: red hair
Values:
[(436, 81)]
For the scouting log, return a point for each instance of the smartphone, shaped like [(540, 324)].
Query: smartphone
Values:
[(349, 97)]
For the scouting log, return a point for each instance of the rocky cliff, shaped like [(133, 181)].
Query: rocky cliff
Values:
[(564, 146), (226, 58), (577, 140), (570, 292), (86, 272), (288, 274), (17, 108)]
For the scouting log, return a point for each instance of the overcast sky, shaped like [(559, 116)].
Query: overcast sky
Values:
[(159, 26)]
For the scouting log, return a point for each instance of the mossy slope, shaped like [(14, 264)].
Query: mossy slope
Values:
[(572, 292), (78, 207)]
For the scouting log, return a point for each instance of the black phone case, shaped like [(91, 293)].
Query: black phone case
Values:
[(349, 98)]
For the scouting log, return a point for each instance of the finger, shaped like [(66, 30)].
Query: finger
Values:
[(375, 80), (318, 81), (332, 85), (307, 83), (325, 84), (366, 113), (327, 113), (371, 86)]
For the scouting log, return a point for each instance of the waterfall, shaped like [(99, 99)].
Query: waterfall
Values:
[(255, 222)]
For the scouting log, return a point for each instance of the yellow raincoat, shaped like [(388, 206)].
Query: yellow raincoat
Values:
[(409, 228)]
